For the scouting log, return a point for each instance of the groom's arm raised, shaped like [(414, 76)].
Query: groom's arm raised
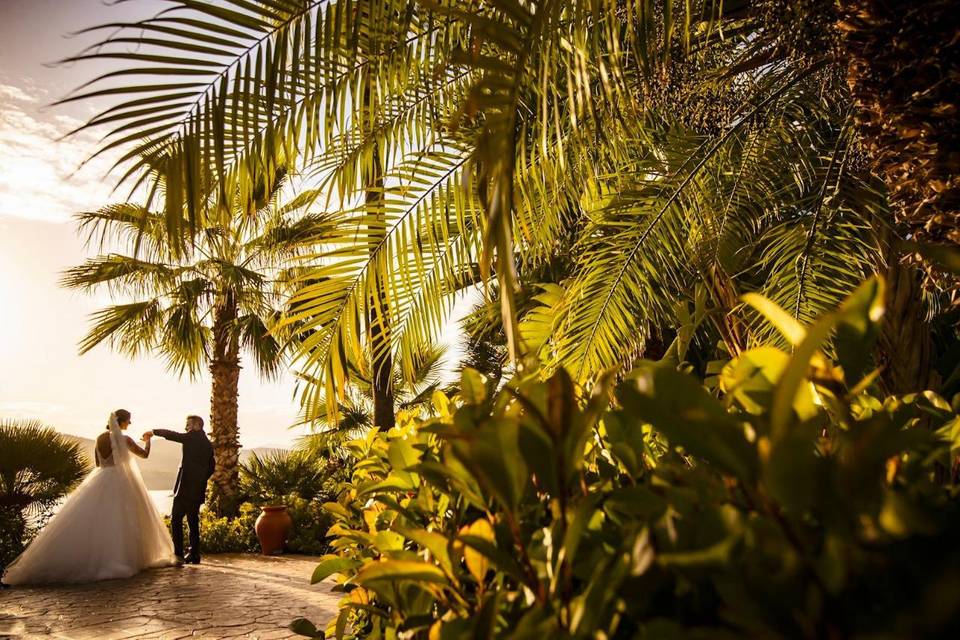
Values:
[(180, 437)]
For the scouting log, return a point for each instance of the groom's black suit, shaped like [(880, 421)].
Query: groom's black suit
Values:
[(196, 467)]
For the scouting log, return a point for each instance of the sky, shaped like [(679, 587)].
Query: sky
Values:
[(42, 376)]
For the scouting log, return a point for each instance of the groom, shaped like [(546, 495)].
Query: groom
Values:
[(190, 491)]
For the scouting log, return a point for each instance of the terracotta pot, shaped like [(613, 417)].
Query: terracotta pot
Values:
[(272, 527)]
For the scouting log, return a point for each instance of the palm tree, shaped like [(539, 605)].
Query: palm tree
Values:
[(414, 379), (755, 74), (353, 93), (448, 135), (38, 466), (198, 299)]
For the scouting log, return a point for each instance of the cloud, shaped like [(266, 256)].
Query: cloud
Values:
[(41, 177), (9, 92)]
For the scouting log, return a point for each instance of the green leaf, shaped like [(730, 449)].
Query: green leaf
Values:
[(332, 565), (437, 544), (337, 509), (751, 378), (793, 474), (492, 455), (375, 573), (860, 312), (498, 558), (787, 325), (473, 386), (857, 329), (716, 555), (402, 456), (303, 627), (476, 562), (635, 503), (681, 409)]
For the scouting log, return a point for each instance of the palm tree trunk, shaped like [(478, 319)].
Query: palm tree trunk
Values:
[(382, 362), (905, 346), (723, 293), (378, 311), (903, 69), (225, 374)]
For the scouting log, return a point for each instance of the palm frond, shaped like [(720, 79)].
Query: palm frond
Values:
[(406, 257), (130, 328), (247, 87), (122, 274)]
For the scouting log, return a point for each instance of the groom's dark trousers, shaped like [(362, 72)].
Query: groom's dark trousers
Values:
[(191, 510), (196, 467)]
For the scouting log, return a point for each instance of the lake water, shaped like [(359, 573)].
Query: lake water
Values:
[(163, 499)]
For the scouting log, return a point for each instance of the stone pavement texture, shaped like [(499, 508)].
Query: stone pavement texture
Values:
[(228, 596)]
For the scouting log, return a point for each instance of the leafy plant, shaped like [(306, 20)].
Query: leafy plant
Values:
[(267, 478), (229, 534), (442, 136), (311, 523), (299, 480), (790, 502), (38, 466), (237, 534)]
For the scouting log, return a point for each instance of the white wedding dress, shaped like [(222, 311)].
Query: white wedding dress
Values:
[(107, 528)]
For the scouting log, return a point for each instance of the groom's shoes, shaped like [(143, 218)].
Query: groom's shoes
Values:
[(179, 561), (192, 560)]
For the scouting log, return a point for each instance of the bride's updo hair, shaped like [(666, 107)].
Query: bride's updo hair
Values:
[(122, 415)]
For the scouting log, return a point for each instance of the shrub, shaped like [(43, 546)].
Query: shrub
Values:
[(229, 535), (266, 478), (794, 503), (310, 525), (38, 466), (222, 534), (295, 479)]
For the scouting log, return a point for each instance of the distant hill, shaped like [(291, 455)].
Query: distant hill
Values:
[(160, 469)]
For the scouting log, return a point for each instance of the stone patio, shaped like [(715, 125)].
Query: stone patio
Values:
[(228, 596)]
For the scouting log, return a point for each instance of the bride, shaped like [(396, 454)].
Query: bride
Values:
[(107, 528)]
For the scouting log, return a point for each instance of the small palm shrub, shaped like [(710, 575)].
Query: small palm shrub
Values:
[(784, 499), (269, 477), (38, 466)]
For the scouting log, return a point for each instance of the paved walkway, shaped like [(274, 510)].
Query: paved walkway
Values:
[(228, 596)]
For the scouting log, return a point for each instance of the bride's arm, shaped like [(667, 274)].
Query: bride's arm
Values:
[(136, 450)]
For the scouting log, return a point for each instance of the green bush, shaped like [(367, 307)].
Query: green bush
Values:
[(38, 467), (295, 479), (13, 535), (267, 478), (220, 534), (310, 525), (790, 503), (229, 535)]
